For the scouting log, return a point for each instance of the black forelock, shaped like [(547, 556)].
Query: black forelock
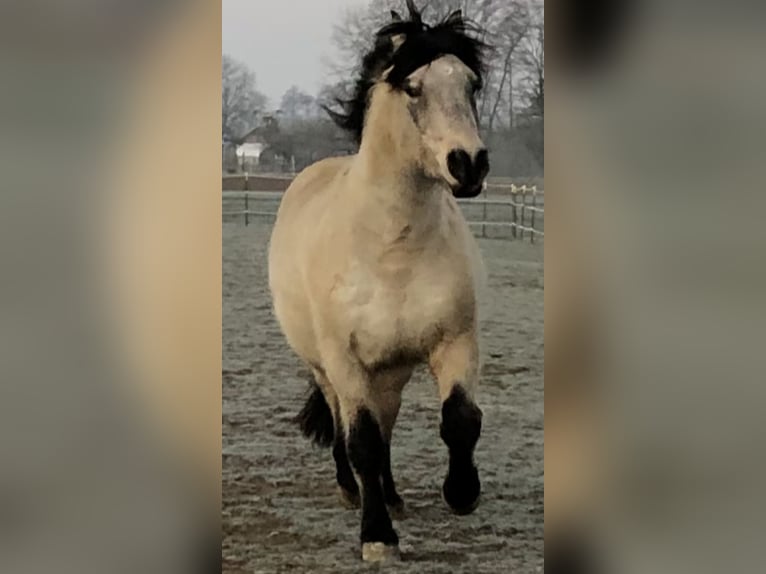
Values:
[(422, 45)]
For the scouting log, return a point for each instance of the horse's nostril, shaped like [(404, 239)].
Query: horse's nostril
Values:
[(466, 171), (459, 164), (481, 165)]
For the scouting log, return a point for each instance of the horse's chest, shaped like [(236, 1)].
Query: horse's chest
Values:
[(402, 312)]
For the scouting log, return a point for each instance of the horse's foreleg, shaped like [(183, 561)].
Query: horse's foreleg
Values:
[(455, 366), (366, 450), (367, 453), (386, 393), (388, 403)]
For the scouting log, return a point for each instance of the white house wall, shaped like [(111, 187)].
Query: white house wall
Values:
[(250, 150)]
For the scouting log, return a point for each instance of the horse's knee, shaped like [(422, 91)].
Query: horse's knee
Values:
[(460, 430), (461, 422)]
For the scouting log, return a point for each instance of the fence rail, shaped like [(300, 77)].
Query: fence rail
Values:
[(525, 211)]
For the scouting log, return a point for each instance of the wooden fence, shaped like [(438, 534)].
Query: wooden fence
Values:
[(502, 211)]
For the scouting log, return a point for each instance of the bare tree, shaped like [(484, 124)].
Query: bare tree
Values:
[(508, 24), (297, 105), (241, 101), (533, 62), (353, 35)]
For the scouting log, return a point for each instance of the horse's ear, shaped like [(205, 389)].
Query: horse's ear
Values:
[(395, 16), (414, 13), (455, 18)]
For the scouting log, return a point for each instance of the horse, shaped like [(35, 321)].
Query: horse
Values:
[(373, 269)]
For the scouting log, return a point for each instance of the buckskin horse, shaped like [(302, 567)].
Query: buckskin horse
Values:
[(373, 268)]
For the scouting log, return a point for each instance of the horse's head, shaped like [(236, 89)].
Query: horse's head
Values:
[(440, 98), (431, 76)]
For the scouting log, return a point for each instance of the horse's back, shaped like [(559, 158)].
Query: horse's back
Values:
[(300, 211), (309, 185)]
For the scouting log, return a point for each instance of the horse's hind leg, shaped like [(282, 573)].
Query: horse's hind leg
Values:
[(347, 486), (455, 366)]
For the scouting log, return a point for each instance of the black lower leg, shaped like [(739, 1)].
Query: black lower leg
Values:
[(389, 488), (343, 472), (460, 430), (367, 453)]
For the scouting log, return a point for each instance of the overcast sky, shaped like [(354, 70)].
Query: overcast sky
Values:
[(283, 41)]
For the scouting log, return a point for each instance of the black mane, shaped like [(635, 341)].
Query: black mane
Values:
[(422, 45)]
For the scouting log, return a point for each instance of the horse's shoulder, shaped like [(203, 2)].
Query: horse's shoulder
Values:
[(310, 184)]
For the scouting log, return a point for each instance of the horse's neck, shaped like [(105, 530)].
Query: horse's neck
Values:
[(393, 198), (387, 178), (387, 185)]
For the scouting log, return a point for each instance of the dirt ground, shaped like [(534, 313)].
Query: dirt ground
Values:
[(280, 510)]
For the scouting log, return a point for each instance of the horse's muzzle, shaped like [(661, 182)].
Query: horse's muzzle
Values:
[(465, 192), (469, 173)]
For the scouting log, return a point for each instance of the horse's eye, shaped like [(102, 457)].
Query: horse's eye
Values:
[(413, 91)]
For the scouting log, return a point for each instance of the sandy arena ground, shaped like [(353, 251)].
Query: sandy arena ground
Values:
[(280, 510)]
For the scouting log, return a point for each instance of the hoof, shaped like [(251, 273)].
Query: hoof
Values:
[(348, 499), (379, 552), (396, 509), (461, 491), (463, 510)]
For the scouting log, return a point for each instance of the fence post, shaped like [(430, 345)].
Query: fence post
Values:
[(534, 210), (247, 210), (514, 219), (523, 210), (484, 219)]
